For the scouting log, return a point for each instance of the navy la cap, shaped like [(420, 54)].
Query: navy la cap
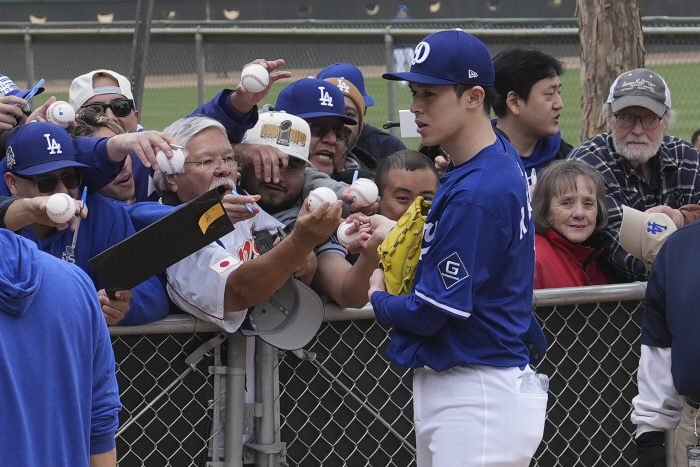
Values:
[(38, 148), (449, 57), (312, 98), (9, 88), (350, 73)]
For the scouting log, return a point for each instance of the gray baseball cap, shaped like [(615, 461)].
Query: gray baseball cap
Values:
[(640, 87), (289, 319)]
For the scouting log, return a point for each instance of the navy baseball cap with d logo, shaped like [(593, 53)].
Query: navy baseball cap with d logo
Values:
[(39, 147), (449, 57), (312, 98)]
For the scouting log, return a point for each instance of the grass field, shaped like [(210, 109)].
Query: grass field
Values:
[(164, 105)]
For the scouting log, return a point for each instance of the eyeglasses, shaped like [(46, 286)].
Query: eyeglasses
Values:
[(233, 162), (320, 130), (48, 184), (627, 121), (119, 107)]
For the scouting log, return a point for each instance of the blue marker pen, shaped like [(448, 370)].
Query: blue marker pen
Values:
[(250, 210)]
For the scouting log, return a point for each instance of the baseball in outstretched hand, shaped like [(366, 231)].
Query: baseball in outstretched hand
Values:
[(60, 208), (255, 77)]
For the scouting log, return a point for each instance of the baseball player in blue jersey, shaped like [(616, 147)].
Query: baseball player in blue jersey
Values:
[(461, 326)]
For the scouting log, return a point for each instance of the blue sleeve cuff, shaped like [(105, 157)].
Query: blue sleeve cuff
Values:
[(99, 444)]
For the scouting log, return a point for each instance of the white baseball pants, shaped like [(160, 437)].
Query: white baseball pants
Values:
[(475, 417)]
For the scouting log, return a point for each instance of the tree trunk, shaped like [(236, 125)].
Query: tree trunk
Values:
[(611, 43)]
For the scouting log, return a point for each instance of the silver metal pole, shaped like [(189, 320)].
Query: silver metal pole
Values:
[(201, 64), (391, 85), (235, 402), (265, 362), (29, 60)]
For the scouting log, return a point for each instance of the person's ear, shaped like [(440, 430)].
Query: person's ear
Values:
[(11, 182), (475, 96), (170, 182), (513, 102)]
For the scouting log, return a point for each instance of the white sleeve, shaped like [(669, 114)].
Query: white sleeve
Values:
[(197, 285), (658, 405)]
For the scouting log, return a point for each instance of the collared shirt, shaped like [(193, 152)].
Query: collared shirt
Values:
[(674, 182)]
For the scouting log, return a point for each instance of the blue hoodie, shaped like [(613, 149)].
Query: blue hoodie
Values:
[(58, 392)]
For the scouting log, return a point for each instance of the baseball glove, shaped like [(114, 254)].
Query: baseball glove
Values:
[(400, 250)]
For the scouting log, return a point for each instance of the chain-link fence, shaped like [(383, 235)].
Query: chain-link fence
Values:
[(339, 402), (189, 63)]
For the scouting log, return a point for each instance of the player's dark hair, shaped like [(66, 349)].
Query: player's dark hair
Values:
[(490, 95), (518, 70), (695, 137), (404, 159), (556, 179)]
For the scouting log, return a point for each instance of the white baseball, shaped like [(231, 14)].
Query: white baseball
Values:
[(61, 113), (255, 77), (60, 208), (365, 191), (170, 165), (319, 195), (344, 238)]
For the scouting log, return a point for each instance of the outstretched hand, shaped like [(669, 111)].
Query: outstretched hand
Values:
[(243, 100)]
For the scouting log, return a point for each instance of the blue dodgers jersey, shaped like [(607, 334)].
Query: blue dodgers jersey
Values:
[(476, 266)]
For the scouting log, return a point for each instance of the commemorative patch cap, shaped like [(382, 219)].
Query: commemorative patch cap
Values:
[(350, 73), (9, 88), (642, 234), (640, 87), (81, 89), (288, 133), (38, 148), (312, 98), (449, 57)]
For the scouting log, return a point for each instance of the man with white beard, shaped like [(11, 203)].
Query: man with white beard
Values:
[(642, 165)]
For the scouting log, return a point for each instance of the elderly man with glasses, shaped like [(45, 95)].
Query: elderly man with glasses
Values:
[(41, 161), (643, 167)]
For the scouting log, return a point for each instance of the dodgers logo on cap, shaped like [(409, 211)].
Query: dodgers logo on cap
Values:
[(421, 53), (312, 98), (38, 148)]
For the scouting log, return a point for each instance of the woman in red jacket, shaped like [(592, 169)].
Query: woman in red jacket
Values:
[(570, 212)]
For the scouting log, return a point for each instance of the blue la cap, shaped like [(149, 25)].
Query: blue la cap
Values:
[(449, 57), (39, 147), (9, 88), (311, 98), (350, 73)]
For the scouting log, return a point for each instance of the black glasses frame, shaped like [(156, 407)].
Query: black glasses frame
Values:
[(47, 184), (652, 121), (116, 106), (319, 129)]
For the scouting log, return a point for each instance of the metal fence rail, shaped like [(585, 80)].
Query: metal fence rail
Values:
[(340, 402)]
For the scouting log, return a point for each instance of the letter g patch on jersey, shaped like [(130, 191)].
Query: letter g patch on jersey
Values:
[(452, 270)]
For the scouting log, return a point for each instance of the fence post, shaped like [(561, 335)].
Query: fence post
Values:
[(391, 85), (265, 364), (29, 59), (235, 402), (201, 63), (139, 49)]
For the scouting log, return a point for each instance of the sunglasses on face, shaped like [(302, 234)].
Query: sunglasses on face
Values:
[(48, 184), (119, 107), (320, 130)]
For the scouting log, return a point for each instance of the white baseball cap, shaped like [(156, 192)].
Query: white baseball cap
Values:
[(288, 133), (82, 87), (642, 234), (289, 319)]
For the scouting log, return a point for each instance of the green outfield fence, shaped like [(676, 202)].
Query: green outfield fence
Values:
[(188, 63), (339, 402)]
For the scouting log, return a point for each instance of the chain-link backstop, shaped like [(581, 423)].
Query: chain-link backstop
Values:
[(340, 403)]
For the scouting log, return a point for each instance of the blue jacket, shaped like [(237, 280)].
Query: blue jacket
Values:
[(58, 392), (107, 224)]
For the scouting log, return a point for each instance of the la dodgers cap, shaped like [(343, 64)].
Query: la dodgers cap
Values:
[(350, 73), (642, 234), (81, 89), (289, 319), (349, 89), (39, 147), (9, 88), (449, 57), (288, 133), (312, 98), (640, 87)]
